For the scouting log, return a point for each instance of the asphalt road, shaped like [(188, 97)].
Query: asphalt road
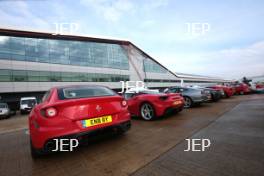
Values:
[(237, 148), (234, 126)]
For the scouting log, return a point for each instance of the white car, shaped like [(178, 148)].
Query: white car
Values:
[(27, 104), (4, 111), (141, 89)]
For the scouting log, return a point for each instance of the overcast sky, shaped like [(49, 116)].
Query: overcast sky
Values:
[(223, 38)]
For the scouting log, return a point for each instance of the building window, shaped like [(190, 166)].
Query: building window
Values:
[(64, 52), (46, 76), (151, 66), (161, 80), (20, 76), (5, 76)]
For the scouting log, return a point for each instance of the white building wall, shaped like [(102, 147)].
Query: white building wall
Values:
[(136, 73), (136, 67)]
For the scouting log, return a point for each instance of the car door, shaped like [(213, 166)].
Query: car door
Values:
[(133, 103)]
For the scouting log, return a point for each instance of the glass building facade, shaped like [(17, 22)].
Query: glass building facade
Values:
[(65, 52), (48, 76), (68, 52), (153, 67)]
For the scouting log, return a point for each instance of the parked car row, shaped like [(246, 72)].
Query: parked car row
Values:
[(78, 111), (26, 104)]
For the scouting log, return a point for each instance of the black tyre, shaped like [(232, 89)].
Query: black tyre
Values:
[(188, 102), (35, 153), (147, 111), (124, 128)]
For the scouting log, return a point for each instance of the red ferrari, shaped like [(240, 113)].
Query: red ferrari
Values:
[(228, 91), (75, 112), (150, 104), (242, 88)]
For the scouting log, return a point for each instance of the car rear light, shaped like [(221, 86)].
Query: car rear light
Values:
[(50, 112), (124, 103)]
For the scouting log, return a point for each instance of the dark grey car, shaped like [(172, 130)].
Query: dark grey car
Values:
[(191, 96), (212, 94)]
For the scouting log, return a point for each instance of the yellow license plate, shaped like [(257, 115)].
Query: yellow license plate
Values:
[(97, 121), (177, 102)]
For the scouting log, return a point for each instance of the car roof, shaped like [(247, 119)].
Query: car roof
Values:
[(175, 87), (28, 98), (73, 86), (181, 87)]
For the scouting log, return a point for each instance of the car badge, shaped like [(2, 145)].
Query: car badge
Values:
[(98, 108)]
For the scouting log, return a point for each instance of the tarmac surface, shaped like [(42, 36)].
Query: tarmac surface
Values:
[(235, 127), (237, 148)]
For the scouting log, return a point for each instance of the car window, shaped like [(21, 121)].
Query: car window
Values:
[(128, 96), (46, 96), (173, 90), (84, 92), (149, 92), (29, 102)]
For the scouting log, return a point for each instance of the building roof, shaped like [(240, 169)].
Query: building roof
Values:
[(47, 35), (188, 76)]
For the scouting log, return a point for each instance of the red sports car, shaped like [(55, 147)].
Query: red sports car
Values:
[(259, 86), (149, 104), (74, 112), (241, 88), (228, 91)]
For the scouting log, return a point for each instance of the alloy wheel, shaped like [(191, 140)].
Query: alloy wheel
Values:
[(188, 102), (147, 111)]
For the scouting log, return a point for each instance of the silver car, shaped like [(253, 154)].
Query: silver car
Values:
[(191, 96), (4, 111)]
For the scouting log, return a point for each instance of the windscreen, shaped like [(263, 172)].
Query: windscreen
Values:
[(150, 92), (29, 102), (84, 92), (3, 106)]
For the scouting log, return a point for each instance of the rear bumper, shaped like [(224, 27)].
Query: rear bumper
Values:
[(4, 115), (216, 96), (26, 110), (83, 137), (164, 108), (174, 109), (41, 132)]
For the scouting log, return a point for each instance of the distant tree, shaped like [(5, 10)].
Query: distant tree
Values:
[(246, 81)]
